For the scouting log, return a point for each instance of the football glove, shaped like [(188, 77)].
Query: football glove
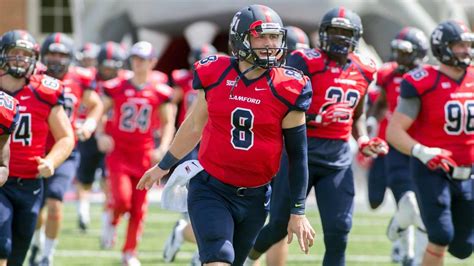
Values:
[(434, 158), (372, 147), (332, 114)]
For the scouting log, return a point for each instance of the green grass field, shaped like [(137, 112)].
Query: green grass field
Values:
[(367, 243)]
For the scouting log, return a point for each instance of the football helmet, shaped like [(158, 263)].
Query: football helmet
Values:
[(57, 43), (443, 36), (18, 66), (203, 51), (110, 59), (339, 31), (254, 20), (409, 48), (87, 54), (296, 39)]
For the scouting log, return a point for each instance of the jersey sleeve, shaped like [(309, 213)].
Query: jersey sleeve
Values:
[(165, 92), (293, 89), (9, 114), (48, 90), (180, 77), (85, 77), (383, 74), (417, 82), (112, 87), (366, 66), (297, 60), (208, 71)]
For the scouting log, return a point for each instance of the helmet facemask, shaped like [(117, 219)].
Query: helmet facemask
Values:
[(339, 39), (462, 60), (58, 66), (405, 54), (19, 66)]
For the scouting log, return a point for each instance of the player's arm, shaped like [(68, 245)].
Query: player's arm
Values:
[(4, 158), (167, 122), (371, 147), (92, 102), (294, 131), (187, 137), (61, 129), (105, 143), (376, 112)]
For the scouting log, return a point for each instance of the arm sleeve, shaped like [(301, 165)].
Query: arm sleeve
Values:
[(409, 106), (296, 148), (297, 61)]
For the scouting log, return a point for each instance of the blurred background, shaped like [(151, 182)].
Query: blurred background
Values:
[(174, 26)]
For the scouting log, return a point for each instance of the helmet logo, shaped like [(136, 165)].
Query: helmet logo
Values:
[(57, 48), (437, 36), (235, 22), (341, 22), (256, 27), (24, 44)]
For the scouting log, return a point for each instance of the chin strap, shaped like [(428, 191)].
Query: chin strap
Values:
[(238, 78)]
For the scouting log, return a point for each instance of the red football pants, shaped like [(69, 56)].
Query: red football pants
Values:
[(124, 197)]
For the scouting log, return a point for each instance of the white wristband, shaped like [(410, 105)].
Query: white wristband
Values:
[(90, 124), (362, 140)]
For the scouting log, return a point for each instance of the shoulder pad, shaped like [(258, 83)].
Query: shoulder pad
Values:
[(112, 86), (294, 87), (422, 78), (8, 113), (366, 63), (314, 58), (164, 90), (384, 72), (47, 88), (209, 69), (159, 77), (180, 75)]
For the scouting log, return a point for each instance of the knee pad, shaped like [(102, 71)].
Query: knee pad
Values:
[(408, 212), (5, 247), (220, 251)]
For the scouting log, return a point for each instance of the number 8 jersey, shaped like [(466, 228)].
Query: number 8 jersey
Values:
[(333, 84), (36, 99), (242, 141), (446, 116)]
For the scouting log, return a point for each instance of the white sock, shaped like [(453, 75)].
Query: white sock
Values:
[(84, 210), (49, 247), (38, 238)]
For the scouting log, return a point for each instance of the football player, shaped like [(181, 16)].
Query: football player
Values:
[(86, 56), (246, 107), (129, 143), (438, 102), (340, 78), (41, 100)]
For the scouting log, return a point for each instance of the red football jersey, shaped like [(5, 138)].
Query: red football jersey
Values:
[(242, 141), (36, 99), (332, 84), (184, 79), (388, 79), (76, 80), (134, 111), (446, 117), (8, 113)]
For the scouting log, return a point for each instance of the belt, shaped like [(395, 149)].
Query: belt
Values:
[(239, 191)]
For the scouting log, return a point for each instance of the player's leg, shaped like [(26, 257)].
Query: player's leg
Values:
[(400, 183), (335, 196), (120, 201), (377, 182), (278, 254), (214, 236), (6, 218), (276, 228), (57, 186), (135, 222), (434, 198), (89, 163), (462, 208), (26, 199)]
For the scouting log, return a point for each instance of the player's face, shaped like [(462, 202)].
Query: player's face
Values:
[(56, 57), (107, 73), (266, 44), (88, 62), (462, 50), (21, 58), (139, 64)]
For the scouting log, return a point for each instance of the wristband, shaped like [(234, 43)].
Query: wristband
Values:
[(168, 161), (90, 124)]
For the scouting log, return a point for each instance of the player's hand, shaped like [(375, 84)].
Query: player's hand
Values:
[(83, 134), (105, 143), (372, 147), (45, 167), (3, 175), (434, 158), (334, 113), (300, 226), (151, 176)]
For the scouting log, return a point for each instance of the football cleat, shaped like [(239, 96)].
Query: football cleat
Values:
[(34, 256), (107, 239), (130, 259), (196, 261), (174, 241)]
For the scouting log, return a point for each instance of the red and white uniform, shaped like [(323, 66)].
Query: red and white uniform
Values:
[(8, 113), (184, 79), (36, 99), (134, 110), (446, 117), (333, 84), (242, 141)]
